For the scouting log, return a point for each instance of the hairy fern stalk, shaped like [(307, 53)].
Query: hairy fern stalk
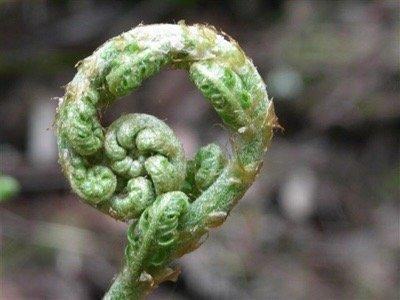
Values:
[(135, 170)]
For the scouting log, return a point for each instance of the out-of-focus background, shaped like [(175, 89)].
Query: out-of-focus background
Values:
[(322, 220)]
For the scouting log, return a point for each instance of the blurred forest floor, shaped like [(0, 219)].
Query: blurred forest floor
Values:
[(322, 220)]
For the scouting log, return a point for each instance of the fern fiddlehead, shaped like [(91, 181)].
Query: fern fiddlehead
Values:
[(135, 169)]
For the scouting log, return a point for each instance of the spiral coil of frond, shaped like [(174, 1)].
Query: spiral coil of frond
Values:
[(135, 170)]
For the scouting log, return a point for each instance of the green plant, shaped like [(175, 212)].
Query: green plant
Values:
[(135, 169), (9, 187)]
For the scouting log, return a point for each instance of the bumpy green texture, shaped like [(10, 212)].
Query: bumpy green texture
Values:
[(135, 170)]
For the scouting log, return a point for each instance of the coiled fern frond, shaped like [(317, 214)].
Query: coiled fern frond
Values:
[(135, 170)]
